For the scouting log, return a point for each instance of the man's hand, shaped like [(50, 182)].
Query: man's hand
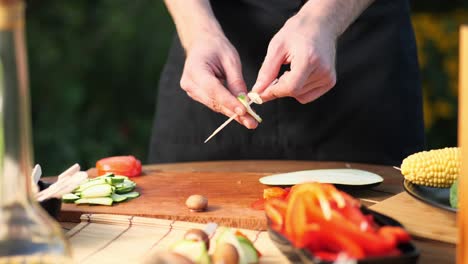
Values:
[(310, 51), (307, 42), (211, 63), (212, 72)]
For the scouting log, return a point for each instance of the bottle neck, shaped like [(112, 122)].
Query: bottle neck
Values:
[(15, 138)]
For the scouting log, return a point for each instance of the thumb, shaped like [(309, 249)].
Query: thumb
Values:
[(270, 69)]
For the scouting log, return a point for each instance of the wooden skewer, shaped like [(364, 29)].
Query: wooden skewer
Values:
[(396, 168), (223, 125)]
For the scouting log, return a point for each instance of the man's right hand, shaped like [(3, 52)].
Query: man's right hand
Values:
[(211, 63)]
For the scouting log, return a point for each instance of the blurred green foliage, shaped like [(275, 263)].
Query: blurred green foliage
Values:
[(94, 67), (437, 39)]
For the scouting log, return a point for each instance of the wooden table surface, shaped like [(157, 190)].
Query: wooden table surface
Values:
[(228, 172)]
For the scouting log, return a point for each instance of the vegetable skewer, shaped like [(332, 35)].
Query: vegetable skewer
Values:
[(223, 125), (254, 98)]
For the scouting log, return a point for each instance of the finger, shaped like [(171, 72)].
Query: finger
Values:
[(315, 81), (219, 99), (204, 95), (270, 68), (248, 121), (233, 72), (313, 94), (321, 76), (291, 82)]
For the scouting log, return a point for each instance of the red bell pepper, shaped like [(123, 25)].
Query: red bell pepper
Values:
[(274, 192), (370, 242), (398, 233), (326, 255), (296, 219), (258, 204), (275, 209), (120, 165), (328, 222), (334, 242), (353, 214)]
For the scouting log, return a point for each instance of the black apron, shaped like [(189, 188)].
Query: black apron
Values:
[(372, 115)]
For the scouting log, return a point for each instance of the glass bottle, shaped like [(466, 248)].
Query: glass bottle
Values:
[(27, 233)]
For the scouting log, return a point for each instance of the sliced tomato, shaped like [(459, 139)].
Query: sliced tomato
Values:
[(121, 165)]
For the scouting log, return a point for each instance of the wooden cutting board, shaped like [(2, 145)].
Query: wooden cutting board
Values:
[(163, 195), (230, 187), (421, 220)]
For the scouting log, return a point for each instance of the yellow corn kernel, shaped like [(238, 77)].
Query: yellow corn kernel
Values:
[(435, 168)]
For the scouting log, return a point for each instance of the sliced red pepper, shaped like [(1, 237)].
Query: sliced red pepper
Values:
[(258, 204), (371, 243), (399, 234), (312, 207), (314, 195), (309, 239), (326, 255), (334, 242), (296, 219), (274, 192), (355, 216), (350, 200), (275, 209)]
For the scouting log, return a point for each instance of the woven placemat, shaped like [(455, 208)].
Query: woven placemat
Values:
[(104, 238)]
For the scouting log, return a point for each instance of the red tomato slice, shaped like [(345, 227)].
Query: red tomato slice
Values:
[(121, 165)]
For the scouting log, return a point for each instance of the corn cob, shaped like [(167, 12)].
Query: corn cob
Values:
[(434, 168)]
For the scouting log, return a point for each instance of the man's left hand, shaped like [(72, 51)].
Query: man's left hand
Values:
[(309, 47)]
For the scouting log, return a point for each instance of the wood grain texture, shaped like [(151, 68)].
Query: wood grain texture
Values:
[(420, 219), (229, 186), (462, 255), (163, 195)]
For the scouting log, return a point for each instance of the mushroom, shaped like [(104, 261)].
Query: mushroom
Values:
[(198, 235), (225, 253), (197, 203), (255, 97), (168, 258)]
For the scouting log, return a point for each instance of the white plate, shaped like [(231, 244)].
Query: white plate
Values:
[(351, 177)]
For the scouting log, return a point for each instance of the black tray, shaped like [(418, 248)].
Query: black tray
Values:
[(409, 253), (51, 206), (438, 197)]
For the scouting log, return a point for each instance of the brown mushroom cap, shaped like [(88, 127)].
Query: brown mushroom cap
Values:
[(225, 253), (168, 258), (197, 203), (198, 235)]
